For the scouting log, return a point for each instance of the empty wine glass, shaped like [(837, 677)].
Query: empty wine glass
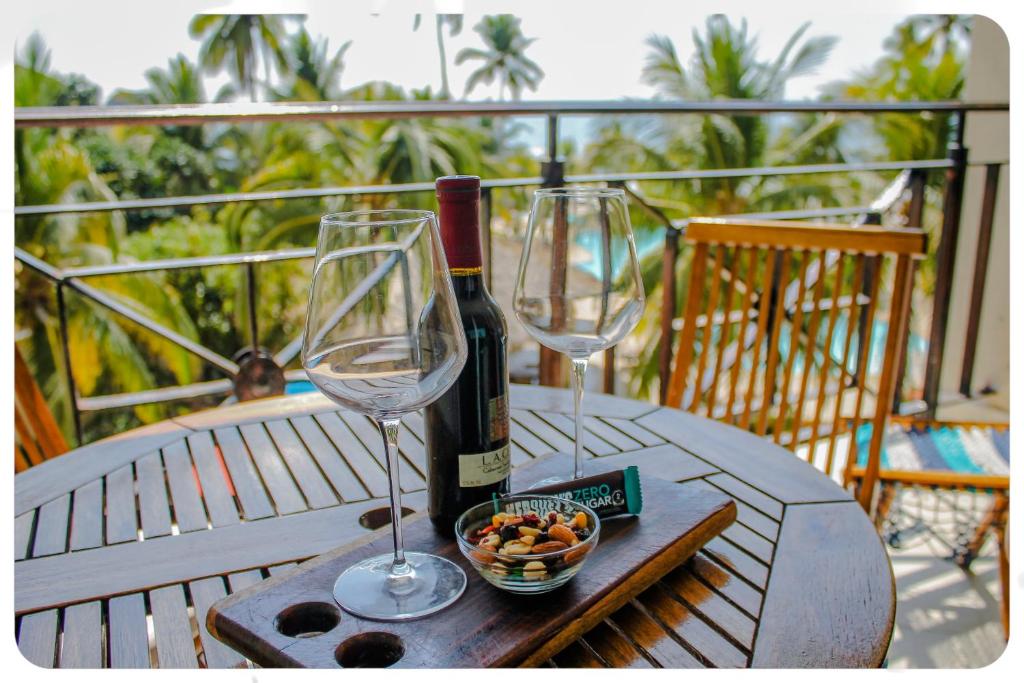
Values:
[(383, 338), (579, 288)]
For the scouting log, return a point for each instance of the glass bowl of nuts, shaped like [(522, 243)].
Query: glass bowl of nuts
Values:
[(527, 544)]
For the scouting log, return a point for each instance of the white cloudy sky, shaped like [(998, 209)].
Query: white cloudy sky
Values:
[(589, 50)]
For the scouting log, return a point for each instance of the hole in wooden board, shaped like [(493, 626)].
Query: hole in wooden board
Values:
[(373, 650), (307, 620), (378, 517)]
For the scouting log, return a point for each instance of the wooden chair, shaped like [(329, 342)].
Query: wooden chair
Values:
[(774, 320), (962, 459), (36, 434)]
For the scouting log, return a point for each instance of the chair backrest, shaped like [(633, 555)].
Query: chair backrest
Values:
[(774, 320), (36, 434)]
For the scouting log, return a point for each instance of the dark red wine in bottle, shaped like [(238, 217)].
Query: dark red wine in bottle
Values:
[(467, 435)]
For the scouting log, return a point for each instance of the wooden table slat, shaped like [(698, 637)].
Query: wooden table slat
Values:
[(747, 494), (737, 561), (609, 434), (837, 611), (370, 472), (527, 440), (331, 462), (52, 528), (692, 629), (239, 580), (82, 645), (650, 636), (172, 629), (779, 473), (728, 618), (543, 431), (753, 543), (212, 480), (127, 632), (412, 449), (725, 582), (275, 474), (579, 655), (37, 638), (23, 524), (645, 436), (57, 476), (87, 516), (204, 593), (301, 464), (592, 443), (757, 521), (372, 441), (154, 506), (248, 487), (122, 522), (616, 650), (189, 513), (800, 580), (70, 578)]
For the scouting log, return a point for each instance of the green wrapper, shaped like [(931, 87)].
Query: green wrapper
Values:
[(608, 494)]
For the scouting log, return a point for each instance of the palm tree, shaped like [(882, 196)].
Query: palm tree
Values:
[(312, 76), (725, 64), (454, 24), (181, 83), (924, 60), (51, 169), (504, 57), (241, 42)]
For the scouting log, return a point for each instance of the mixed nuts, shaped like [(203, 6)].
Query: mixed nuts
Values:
[(530, 545)]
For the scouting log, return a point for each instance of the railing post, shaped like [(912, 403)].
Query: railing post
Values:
[(250, 282), (62, 314), (551, 366), (988, 208), (945, 262), (915, 216), (871, 267), (668, 309)]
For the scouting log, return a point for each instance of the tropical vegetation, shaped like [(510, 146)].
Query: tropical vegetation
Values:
[(275, 58)]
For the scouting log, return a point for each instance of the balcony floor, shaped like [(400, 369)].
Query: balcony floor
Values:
[(945, 618)]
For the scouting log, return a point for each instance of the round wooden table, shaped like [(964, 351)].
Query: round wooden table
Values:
[(121, 546)]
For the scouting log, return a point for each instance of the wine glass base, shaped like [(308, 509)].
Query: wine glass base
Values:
[(367, 589)]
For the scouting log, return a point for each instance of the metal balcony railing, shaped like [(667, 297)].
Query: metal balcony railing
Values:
[(912, 177)]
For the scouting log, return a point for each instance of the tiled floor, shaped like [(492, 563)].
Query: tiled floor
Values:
[(945, 618)]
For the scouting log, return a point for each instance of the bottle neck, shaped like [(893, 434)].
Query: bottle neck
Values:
[(460, 235), (468, 283)]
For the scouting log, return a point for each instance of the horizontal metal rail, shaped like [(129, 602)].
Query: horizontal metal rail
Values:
[(269, 195), (762, 171), (306, 193), (240, 112), (238, 259)]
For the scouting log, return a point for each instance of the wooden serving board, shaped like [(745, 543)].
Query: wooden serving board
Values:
[(486, 627)]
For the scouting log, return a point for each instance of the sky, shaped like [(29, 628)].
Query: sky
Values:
[(587, 50)]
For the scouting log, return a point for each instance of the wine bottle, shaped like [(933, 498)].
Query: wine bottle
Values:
[(467, 435)]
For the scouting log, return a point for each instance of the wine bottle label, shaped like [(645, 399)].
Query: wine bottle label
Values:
[(481, 469), (497, 411)]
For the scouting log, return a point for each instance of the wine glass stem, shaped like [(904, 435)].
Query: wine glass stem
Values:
[(389, 430), (579, 371)]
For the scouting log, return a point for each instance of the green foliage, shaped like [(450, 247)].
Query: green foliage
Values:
[(503, 58), (111, 355)]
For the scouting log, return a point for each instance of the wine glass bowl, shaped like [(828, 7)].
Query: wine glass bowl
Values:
[(365, 346), (579, 289), (383, 338)]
